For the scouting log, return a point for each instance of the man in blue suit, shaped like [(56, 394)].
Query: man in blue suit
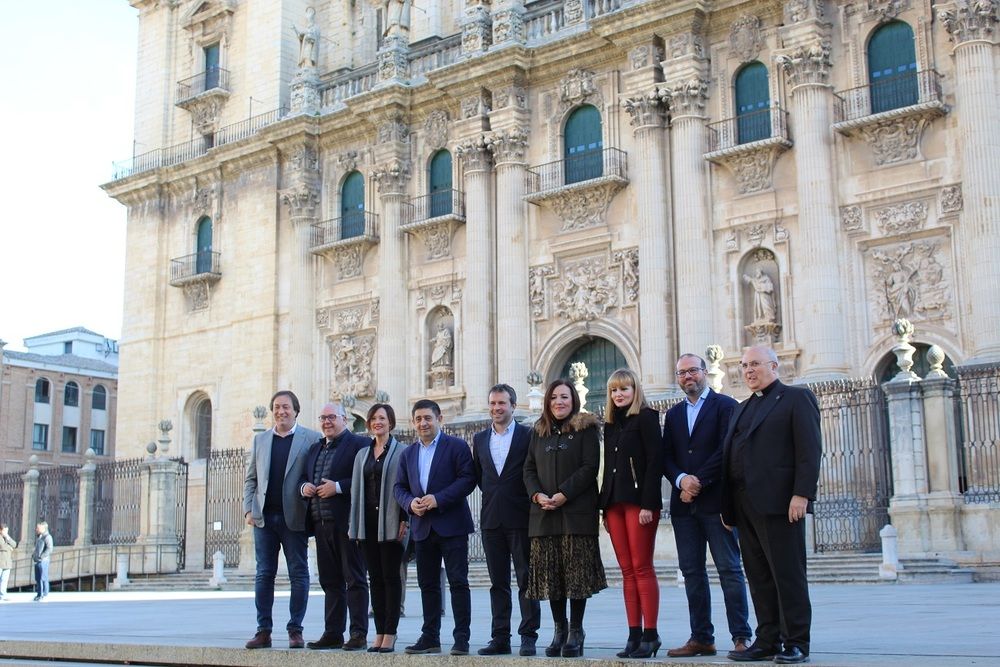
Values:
[(693, 433), (435, 477), (498, 455)]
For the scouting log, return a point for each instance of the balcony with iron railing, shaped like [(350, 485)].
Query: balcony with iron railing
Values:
[(355, 228), (201, 266), (901, 95), (440, 206), (747, 131), (214, 80), (577, 171)]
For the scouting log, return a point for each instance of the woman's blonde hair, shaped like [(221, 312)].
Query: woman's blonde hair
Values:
[(624, 377)]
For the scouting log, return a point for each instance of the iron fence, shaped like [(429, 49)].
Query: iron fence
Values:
[(855, 481), (585, 166), (224, 478), (979, 419), (117, 502), (894, 92), (58, 500), (12, 502), (180, 510), (249, 127)]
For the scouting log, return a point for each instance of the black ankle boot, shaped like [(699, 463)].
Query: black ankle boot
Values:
[(558, 639), (634, 637), (573, 648), (649, 645)]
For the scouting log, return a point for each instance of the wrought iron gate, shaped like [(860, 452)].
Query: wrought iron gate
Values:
[(12, 502), (855, 479), (224, 504), (180, 511), (117, 502), (58, 499)]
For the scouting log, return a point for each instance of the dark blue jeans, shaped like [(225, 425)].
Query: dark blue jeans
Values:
[(693, 531), (455, 553), (295, 544), (42, 578)]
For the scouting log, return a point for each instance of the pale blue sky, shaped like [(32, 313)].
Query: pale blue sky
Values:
[(67, 76)]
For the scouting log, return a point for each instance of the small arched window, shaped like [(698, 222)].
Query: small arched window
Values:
[(100, 398), (440, 184), (203, 429), (203, 262), (892, 67), (753, 101), (42, 389), (352, 206), (71, 395), (584, 143)]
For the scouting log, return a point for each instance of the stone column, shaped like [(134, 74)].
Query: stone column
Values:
[(820, 333), (907, 507), (390, 350), (158, 524), (477, 303), (513, 327), (29, 506), (85, 510), (656, 330), (972, 28)]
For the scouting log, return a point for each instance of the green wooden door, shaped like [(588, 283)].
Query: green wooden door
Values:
[(212, 66), (892, 67), (584, 142), (440, 184), (602, 359), (352, 206), (203, 260), (753, 118)]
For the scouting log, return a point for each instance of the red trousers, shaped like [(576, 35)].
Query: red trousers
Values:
[(633, 545)]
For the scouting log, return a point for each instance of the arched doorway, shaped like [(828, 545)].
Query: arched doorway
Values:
[(602, 358)]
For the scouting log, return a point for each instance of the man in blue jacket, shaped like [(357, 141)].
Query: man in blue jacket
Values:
[(435, 478)]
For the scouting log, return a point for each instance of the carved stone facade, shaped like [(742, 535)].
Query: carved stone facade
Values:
[(911, 280), (901, 218)]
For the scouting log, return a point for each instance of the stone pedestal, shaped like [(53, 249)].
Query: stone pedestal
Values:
[(85, 509), (305, 94), (29, 506)]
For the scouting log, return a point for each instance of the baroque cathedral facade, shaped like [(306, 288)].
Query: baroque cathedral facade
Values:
[(371, 198)]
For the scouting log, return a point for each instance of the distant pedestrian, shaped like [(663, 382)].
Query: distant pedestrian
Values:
[(40, 557), (7, 546)]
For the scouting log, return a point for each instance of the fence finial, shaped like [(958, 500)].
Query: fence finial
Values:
[(935, 359), (903, 329), (714, 354)]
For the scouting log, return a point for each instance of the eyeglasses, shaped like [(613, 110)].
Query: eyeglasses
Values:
[(754, 364), (330, 418), (687, 371)]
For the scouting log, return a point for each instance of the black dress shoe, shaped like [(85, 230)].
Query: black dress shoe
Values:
[(459, 648), (327, 641), (630, 646), (495, 648), (790, 656), (554, 650), (527, 646), (356, 643), (573, 648), (423, 646), (755, 653)]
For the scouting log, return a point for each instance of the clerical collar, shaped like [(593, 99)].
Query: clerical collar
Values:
[(766, 390)]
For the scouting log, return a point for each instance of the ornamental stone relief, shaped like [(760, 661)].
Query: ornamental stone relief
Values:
[(628, 259), (437, 240), (351, 359), (477, 33), (951, 199), (508, 25), (901, 218), (347, 320), (807, 64), (476, 105), (513, 95), (885, 10), (203, 200), (583, 208), (205, 114), (645, 55), (685, 44), (393, 63), (474, 153), (436, 129), (348, 161), (895, 139), (394, 128), (572, 11), (755, 235), (909, 280), (349, 261), (303, 158), (753, 168), (438, 294), (197, 295), (585, 290), (578, 87), (350, 319), (746, 38), (536, 288), (852, 219), (800, 10)]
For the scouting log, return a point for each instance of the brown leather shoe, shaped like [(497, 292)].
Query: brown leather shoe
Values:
[(262, 639), (740, 644), (691, 649), (356, 643), (295, 639)]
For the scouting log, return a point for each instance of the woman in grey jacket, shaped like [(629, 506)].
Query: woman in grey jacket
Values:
[(376, 521)]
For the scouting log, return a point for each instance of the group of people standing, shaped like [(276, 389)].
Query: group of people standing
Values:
[(40, 557), (741, 474)]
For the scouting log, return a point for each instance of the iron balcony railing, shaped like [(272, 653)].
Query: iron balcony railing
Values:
[(354, 225), (747, 128), (435, 205), (204, 263), (579, 168), (210, 79), (895, 92)]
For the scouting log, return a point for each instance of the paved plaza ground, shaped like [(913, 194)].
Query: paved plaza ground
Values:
[(923, 625)]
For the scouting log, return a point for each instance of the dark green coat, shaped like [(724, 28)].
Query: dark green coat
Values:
[(565, 462)]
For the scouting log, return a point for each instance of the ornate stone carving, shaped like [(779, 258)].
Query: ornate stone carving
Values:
[(301, 201), (951, 199), (746, 38), (585, 289), (732, 241), (901, 218), (646, 110), (374, 312), (629, 261), (476, 105), (394, 128), (351, 360), (437, 240), (895, 139), (474, 153), (421, 301), (968, 20), (581, 208), (536, 288), (205, 114), (756, 234), (885, 10), (456, 293), (809, 64), (852, 219), (392, 176), (577, 86), (349, 320), (197, 294), (348, 160), (436, 129), (393, 62), (508, 25), (645, 55), (752, 168), (685, 44), (508, 145), (203, 200), (909, 280), (305, 93), (323, 318), (687, 97), (800, 10), (349, 261), (512, 95), (438, 292), (476, 31), (572, 11), (780, 233), (303, 158), (761, 297)]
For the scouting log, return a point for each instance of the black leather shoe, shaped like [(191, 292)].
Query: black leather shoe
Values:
[(495, 648), (573, 648), (459, 648), (356, 643), (790, 656), (755, 653), (554, 650), (327, 641), (423, 646), (527, 646), (630, 646), (647, 648)]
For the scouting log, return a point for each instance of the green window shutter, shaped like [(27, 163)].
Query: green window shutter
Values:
[(440, 184), (203, 260), (753, 101), (352, 206), (584, 143), (212, 66), (892, 67)]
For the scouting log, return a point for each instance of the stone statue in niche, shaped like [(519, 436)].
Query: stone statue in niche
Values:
[(760, 297), (763, 296), (441, 373), (308, 41), (441, 352)]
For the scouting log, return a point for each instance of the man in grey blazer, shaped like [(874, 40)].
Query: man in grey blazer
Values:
[(273, 505)]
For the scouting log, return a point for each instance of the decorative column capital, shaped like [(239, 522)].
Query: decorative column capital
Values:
[(647, 110), (301, 201), (392, 176), (807, 64), (474, 153), (508, 145), (970, 20), (686, 98)]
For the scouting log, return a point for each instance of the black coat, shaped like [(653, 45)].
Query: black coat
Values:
[(341, 470), (505, 500), (633, 461), (565, 462)]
